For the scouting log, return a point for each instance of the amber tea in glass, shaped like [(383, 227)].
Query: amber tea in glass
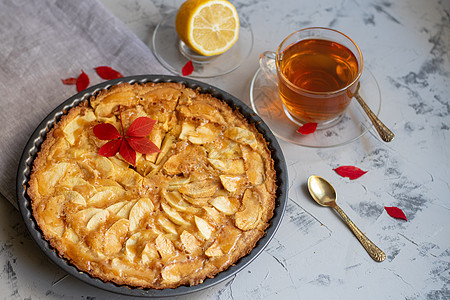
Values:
[(317, 71)]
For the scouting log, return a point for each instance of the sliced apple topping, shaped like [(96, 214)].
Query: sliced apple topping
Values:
[(203, 134), (124, 211), (83, 216), (203, 111), (173, 215), (115, 237), (51, 214), (176, 271), (204, 227), (156, 136), (71, 130), (71, 235), (48, 179), (191, 244), (196, 202), (254, 166), (165, 246), (142, 208), (102, 184), (97, 220), (104, 166), (224, 148), (187, 128), (214, 250), (189, 158), (215, 215), (149, 253), (235, 166), (75, 198), (71, 182), (225, 205), (119, 164), (106, 106), (115, 208), (178, 181), (167, 225), (175, 200), (200, 189), (242, 136), (165, 147), (248, 218), (129, 178), (166, 97), (105, 195), (233, 183), (100, 198), (131, 246)]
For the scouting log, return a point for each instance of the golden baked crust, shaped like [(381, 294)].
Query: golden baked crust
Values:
[(178, 216)]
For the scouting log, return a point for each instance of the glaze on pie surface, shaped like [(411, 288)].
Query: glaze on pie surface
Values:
[(178, 216)]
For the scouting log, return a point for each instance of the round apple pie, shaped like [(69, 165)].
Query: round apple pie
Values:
[(153, 219)]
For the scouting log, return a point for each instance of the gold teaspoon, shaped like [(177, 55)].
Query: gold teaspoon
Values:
[(324, 194), (384, 132)]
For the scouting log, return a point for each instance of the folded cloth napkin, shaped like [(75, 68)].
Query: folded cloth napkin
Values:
[(42, 42)]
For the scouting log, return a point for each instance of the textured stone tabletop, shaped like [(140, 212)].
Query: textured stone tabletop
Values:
[(406, 45)]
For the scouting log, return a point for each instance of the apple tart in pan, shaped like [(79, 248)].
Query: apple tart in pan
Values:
[(153, 185)]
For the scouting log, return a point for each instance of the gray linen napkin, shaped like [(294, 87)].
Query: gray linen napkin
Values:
[(43, 41)]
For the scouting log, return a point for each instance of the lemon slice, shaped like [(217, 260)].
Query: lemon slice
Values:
[(209, 27)]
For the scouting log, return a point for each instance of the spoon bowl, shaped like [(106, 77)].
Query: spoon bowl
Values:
[(322, 191), (324, 194)]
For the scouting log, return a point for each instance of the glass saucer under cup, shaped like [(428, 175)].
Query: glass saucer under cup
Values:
[(354, 123), (173, 54)]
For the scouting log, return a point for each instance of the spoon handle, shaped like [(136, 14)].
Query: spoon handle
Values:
[(376, 253), (385, 133)]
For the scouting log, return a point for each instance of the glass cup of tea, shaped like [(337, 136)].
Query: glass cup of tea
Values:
[(317, 71)]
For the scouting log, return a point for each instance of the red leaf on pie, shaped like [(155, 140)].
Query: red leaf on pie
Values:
[(142, 145), (307, 128), (141, 127), (108, 73), (106, 131), (396, 212), (69, 81), (82, 81), (187, 69), (134, 140), (110, 148), (127, 152), (350, 172)]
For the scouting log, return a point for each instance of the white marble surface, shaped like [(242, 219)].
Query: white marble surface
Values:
[(406, 44)]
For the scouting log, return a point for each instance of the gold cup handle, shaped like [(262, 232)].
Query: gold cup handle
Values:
[(376, 253), (384, 132)]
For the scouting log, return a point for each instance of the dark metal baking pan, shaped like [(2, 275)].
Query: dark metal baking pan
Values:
[(36, 139)]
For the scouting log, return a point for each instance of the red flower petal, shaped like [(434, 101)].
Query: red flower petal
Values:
[(108, 73), (69, 81), (396, 212), (127, 152), (307, 128), (142, 145), (110, 148), (106, 131), (350, 172), (141, 127), (82, 81), (187, 69)]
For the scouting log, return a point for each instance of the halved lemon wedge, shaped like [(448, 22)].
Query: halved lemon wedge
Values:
[(209, 27)]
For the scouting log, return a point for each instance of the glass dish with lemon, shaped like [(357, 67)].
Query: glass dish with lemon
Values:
[(207, 32)]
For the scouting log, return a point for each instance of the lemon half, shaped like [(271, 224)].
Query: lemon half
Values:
[(209, 27)]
